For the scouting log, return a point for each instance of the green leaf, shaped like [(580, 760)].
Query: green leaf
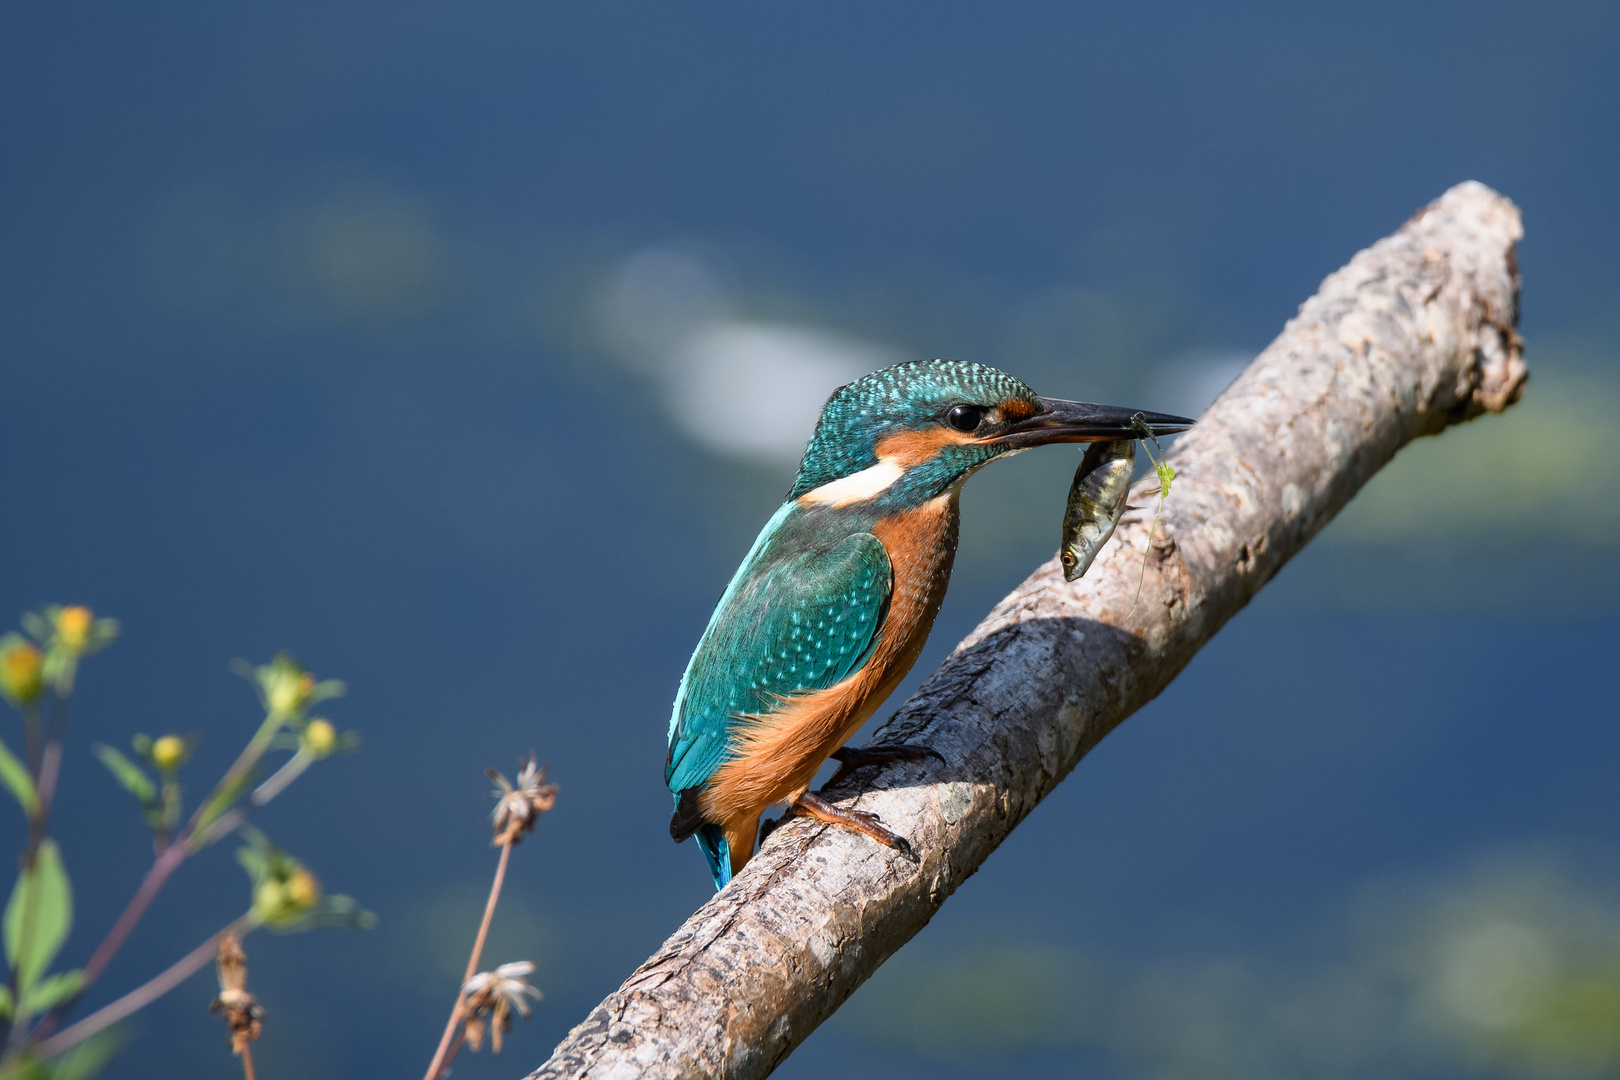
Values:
[(52, 991), (258, 858), (43, 900), (17, 780), (39, 628), (330, 913), (1166, 474), (89, 1057), (127, 773), (328, 688), (77, 1063), (5, 1003)]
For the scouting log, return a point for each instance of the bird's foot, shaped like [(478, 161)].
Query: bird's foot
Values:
[(850, 758), (816, 808)]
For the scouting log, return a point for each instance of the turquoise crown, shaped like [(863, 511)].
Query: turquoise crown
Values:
[(905, 397)]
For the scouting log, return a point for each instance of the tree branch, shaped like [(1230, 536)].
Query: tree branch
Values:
[(1415, 334)]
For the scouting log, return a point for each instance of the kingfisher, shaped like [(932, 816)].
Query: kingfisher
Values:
[(835, 600)]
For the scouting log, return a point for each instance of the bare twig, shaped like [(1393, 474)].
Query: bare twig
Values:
[(1415, 334), (447, 1050)]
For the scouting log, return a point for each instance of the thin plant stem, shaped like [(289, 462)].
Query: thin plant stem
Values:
[(35, 737), (184, 845), (226, 789), (442, 1057), (247, 1061), (147, 992), (50, 770), (167, 862), (290, 770), (164, 865)]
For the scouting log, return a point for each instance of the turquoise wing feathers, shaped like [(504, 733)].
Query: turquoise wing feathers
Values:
[(797, 617)]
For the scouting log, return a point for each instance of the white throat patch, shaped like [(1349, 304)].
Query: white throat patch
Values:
[(865, 484)]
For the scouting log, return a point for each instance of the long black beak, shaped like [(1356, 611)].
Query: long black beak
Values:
[(1076, 421)]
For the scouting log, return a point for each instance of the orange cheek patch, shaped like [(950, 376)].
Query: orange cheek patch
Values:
[(1017, 409), (910, 448)]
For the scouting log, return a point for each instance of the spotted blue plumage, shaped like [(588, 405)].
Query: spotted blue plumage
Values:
[(802, 613)]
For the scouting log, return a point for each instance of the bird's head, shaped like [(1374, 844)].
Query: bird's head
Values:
[(911, 432)]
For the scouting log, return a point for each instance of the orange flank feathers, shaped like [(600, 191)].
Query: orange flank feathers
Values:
[(777, 755)]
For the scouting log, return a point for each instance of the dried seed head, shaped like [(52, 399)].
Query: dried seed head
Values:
[(492, 996), (521, 804), (243, 1015)]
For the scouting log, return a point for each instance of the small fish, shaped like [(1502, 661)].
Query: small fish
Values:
[(1096, 501)]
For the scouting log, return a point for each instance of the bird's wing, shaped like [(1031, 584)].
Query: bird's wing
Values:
[(800, 622)]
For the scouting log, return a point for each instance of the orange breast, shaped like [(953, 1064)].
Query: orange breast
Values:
[(777, 756)]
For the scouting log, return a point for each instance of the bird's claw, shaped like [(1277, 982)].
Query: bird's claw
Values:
[(864, 822)]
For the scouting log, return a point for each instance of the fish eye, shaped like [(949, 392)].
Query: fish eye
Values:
[(965, 417)]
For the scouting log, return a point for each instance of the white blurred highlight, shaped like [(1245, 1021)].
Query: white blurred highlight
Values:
[(750, 389)]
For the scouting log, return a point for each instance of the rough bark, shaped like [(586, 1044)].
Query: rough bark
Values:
[(1415, 334)]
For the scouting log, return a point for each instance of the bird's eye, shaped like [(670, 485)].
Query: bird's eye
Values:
[(965, 417)]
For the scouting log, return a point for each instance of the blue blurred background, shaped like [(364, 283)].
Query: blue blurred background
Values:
[(461, 349)]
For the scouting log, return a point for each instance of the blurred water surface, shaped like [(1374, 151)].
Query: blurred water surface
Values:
[(462, 350)]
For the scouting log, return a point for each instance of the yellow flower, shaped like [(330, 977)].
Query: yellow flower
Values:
[(169, 752), (320, 737), (289, 689), (22, 669), (302, 890), (279, 901), (73, 627)]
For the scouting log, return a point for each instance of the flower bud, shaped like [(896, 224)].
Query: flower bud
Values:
[(320, 738), (270, 901), (73, 628), (22, 668), (169, 752), (302, 890), (288, 689), (278, 901)]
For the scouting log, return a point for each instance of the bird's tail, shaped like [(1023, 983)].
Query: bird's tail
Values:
[(716, 852)]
